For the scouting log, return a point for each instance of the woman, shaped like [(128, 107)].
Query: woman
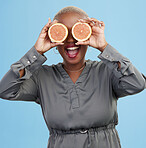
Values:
[(78, 97)]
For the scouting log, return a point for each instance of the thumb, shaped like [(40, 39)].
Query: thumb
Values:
[(83, 42), (56, 44)]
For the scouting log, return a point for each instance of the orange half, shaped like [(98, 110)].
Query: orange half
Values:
[(81, 31), (58, 32)]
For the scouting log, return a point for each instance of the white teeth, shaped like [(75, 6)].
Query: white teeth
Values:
[(72, 48)]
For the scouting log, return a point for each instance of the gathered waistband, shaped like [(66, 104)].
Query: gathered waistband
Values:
[(82, 131)]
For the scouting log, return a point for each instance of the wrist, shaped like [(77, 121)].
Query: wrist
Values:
[(103, 47), (37, 49), (40, 52)]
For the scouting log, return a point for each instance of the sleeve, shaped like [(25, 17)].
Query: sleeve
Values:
[(12, 87), (126, 80)]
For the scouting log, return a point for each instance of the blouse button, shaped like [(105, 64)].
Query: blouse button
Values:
[(83, 131), (28, 62), (34, 56)]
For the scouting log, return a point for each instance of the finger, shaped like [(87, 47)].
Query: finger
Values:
[(46, 27), (56, 44), (91, 21), (87, 19), (94, 19), (102, 25), (49, 20), (50, 23), (54, 21), (82, 20), (88, 22), (96, 22), (83, 42)]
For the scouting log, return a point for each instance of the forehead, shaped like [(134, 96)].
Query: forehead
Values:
[(70, 18)]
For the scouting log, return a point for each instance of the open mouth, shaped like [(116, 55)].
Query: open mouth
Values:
[(72, 50)]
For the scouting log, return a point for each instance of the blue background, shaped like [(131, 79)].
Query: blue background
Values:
[(21, 123)]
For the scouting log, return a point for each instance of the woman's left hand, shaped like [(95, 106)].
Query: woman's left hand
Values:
[(97, 38)]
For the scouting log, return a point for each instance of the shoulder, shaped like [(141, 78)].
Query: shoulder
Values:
[(96, 64), (46, 69), (99, 66)]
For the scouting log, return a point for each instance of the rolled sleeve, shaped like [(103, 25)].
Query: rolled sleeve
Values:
[(110, 56), (31, 61)]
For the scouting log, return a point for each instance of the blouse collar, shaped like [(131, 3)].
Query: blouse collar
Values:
[(82, 75)]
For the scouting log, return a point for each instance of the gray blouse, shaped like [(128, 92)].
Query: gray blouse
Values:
[(67, 106)]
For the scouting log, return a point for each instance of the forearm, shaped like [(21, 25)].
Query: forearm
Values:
[(126, 79), (20, 72)]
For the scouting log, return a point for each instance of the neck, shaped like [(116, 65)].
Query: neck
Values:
[(74, 67)]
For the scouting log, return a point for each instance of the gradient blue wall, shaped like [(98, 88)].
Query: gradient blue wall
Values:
[(21, 123)]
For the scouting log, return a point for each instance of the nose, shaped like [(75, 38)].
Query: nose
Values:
[(70, 38)]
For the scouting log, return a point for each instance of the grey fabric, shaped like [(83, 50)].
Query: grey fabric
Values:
[(90, 102)]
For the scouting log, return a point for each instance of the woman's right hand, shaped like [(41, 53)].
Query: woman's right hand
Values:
[(43, 43)]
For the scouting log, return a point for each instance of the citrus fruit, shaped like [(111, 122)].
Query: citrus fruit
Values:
[(81, 31), (58, 32)]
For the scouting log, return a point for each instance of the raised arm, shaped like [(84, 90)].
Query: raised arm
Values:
[(126, 79), (19, 83)]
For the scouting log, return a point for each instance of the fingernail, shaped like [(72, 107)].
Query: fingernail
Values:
[(80, 19), (49, 20)]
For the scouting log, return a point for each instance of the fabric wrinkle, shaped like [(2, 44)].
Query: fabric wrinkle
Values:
[(92, 135)]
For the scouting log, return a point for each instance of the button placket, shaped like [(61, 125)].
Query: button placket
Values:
[(74, 99)]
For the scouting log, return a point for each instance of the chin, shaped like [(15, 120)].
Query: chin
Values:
[(76, 60)]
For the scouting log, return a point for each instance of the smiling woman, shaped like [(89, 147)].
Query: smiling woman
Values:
[(78, 97)]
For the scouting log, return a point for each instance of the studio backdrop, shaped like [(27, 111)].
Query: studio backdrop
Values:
[(21, 123)]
